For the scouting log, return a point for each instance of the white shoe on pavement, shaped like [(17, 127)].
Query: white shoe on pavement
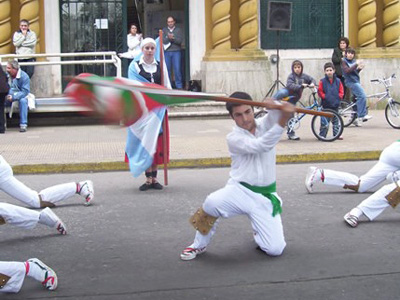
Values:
[(191, 253), (351, 220), (366, 118), (312, 177), (49, 218), (86, 191), (50, 277)]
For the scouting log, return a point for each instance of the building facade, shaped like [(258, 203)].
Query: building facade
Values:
[(227, 46)]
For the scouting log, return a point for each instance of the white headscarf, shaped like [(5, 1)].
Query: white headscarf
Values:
[(148, 41)]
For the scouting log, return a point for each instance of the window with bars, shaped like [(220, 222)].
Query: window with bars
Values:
[(315, 24), (90, 26)]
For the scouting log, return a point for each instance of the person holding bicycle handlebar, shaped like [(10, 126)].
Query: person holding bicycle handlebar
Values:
[(351, 71), (296, 82)]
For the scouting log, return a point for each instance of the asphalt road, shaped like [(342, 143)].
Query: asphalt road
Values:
[(127, 245)]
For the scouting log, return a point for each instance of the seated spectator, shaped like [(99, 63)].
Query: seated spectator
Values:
[(19, 90), (297, 81), (351, 69)]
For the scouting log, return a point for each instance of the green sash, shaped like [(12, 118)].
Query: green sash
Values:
[(267, 191)]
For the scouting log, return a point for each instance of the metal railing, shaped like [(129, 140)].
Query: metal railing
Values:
[(109, 57)]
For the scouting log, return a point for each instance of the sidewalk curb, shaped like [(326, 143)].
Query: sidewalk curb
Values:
[(191, 163)]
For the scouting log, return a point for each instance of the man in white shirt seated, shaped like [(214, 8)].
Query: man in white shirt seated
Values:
[(251, 189)]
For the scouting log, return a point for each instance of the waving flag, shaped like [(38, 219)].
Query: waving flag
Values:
[(115, 102)]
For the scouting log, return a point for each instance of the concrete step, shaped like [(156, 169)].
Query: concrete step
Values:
[(63, 111), (195, 109)]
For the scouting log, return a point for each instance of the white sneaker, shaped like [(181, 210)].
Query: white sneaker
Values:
[(191, 253), (50, 278), (393, 176), (311, 178), (49, 218), (351, 220), (86, 191), (358, 122), (366, 118)]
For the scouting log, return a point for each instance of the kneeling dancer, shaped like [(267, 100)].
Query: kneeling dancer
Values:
[(251, 189)]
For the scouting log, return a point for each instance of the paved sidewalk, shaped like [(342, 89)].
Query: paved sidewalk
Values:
[(194, 143)]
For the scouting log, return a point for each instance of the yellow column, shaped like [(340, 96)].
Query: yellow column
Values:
[(5, 27), (367, 23), (248, 24), (30, 10), (391, 23), (221, 31)]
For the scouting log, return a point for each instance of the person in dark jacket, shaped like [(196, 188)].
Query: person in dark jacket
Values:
[(330, 90), (4, 88), (172, 40), (296, 82), (351, 72), (337, 55)]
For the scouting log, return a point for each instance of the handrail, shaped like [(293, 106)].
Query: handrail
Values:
[(115, 60)]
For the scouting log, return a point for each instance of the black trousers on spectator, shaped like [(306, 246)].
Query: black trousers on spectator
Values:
[(2, 117), (28, 69)]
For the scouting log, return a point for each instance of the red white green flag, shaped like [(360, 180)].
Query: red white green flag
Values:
[(120, 99)]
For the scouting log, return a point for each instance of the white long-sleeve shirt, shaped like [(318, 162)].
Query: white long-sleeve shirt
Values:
[(133, 42), (254, 156), (25, 44)]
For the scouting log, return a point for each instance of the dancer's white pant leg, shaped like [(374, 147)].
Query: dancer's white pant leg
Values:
[(389, 161), (19, 216), (16, 189), (376, 175), (375, 204), (21, 192), (58, 192), (338, 178), (15, 270), (233, 200), (13, 187)]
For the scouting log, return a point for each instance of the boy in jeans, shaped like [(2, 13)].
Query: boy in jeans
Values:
[(331, 91), (295, 84), (351, 72)]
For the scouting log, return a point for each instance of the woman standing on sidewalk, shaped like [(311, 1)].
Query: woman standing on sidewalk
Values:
[(337, 55), (148, 69)]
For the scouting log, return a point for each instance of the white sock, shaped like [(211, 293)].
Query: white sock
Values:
[(35, 271), (356, 212)]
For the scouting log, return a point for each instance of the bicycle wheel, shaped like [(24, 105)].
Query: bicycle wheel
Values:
[(392, 114), (327, 129), (347, 113), (293, 123)]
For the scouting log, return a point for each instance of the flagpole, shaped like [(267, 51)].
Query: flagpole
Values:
[(164, 124)]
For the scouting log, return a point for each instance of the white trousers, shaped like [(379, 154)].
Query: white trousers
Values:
[(375, 204), (16, 189), (15, 270), (389, 161), (233, 200), (19, 216)]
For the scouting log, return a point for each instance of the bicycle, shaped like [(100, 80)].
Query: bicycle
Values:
[(320, 126), (392, 110)]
